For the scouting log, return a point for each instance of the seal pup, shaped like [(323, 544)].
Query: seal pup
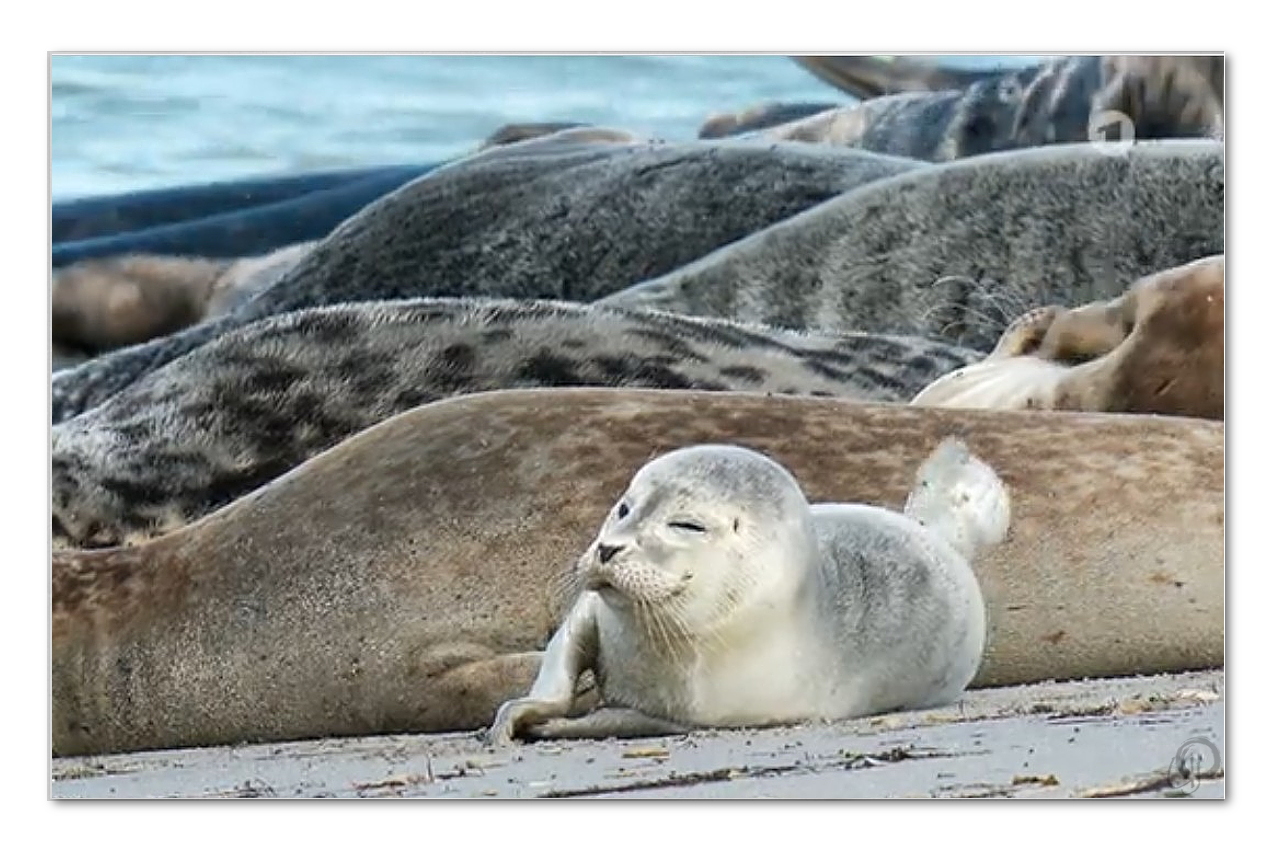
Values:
[(380, 587), (531, 220), (956, 251), (715, 595), (101, 305), (201, 431), (1159, 348)]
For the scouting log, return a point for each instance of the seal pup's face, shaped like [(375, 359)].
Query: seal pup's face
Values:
[(699, 534)]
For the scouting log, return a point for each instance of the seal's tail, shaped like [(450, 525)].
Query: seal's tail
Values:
[(960, 498)]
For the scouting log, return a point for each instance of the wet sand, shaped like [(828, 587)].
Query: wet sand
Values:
[(1096, 738)]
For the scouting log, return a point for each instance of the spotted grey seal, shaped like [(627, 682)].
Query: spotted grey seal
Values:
[(1158, 348), (956, 251), (715, 595), (379, 587), (527, 220), (1066, 99), (208, 427)]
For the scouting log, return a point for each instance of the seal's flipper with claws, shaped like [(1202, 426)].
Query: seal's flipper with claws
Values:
[(959, 497)]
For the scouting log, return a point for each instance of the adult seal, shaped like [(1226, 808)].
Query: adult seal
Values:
[(199, 432), (1159, 348), (956, 251), (380, 587), (715, 595), (105, 304)]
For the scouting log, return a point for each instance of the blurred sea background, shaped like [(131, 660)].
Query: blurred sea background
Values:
[(124, 123)]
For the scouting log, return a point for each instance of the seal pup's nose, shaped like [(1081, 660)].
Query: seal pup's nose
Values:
[(607, 552)]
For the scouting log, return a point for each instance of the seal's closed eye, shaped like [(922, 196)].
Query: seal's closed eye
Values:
[(687, 526)]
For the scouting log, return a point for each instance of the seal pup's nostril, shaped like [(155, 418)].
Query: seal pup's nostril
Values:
[(607, 552)]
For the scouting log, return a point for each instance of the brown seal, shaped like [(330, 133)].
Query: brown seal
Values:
[(403, 580), (1158, 348), (105, 304)]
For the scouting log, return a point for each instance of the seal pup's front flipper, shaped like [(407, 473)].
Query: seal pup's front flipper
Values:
[(604, 723), (572, 650), (960, 498)]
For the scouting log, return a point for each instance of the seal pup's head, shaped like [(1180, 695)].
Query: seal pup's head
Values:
[(701, 533)]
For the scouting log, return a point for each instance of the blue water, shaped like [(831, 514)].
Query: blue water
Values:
[(122, 123)]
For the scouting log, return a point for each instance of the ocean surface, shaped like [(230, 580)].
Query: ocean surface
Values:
[(122, 123)]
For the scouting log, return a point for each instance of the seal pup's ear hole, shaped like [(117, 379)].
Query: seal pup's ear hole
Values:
[(735, 525)]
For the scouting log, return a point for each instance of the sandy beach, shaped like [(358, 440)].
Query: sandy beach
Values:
[(1161, 736)]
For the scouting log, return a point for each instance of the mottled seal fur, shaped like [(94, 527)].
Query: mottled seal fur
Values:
[(1159, 349), (101, 305), (570, 221), (208, 427), (1067, 99), (955, 252), (715, 595), (379, 587)]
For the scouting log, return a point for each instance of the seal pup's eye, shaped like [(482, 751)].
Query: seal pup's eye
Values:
[(687, 527), (623, 510)]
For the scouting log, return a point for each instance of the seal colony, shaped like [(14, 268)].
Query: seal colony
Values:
[(1061, 224), (399, 597), (530, 220), (716, 595)]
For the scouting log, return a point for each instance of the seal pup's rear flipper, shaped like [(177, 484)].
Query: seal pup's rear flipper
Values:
[(959, 497)]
